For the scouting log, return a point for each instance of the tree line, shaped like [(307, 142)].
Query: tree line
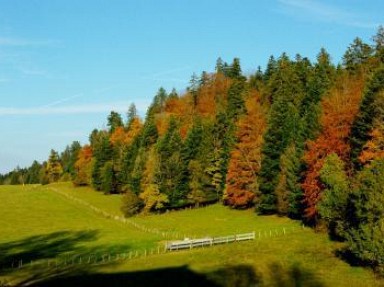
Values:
[(300, 139)]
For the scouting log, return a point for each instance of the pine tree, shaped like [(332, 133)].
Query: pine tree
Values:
[(285, 127), (235, 98), (368, 111), (170, 180), (54, 169), (356, 55), (365, 222), (114, 121), (102, 153)]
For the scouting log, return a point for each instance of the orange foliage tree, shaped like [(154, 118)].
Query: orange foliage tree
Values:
[(83, 167), (339, 108), (374, 148), (245, 159)]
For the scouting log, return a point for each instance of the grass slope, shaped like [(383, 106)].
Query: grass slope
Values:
[(38, 223)]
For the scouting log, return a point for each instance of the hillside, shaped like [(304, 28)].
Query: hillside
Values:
[(57, 229), (300, 139)]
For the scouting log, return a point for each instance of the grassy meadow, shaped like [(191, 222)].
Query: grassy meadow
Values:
[(39, 223)]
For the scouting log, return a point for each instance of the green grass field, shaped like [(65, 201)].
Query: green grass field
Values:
[(39, 223)]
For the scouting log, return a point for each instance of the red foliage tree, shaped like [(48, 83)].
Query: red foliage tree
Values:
[(339, 108)]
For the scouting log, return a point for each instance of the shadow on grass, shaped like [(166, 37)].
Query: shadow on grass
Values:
[(231, 276), (52, 246), (42, 257), (43, 246)]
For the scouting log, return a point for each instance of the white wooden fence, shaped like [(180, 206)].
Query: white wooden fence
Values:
[(208, 241)]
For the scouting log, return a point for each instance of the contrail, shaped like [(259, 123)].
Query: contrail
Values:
[(61, 101)]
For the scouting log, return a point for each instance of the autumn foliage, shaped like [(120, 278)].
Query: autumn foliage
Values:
[(245, 159), (339, 110), (83, 166)]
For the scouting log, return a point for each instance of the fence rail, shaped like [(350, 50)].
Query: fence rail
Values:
[(67, 260), (208, 241)]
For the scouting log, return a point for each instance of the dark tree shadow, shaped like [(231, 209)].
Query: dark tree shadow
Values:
[(52, 246), (55, 255), (43, 247), (293, 276), (231, 276)]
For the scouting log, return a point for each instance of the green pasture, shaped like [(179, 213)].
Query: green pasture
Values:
[(38, 223)]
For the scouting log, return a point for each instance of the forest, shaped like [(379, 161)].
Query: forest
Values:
[(300, 139)]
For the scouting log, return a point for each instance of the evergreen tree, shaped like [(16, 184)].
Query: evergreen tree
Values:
[(333, 206), (131, 115), (173, 95), (366, 212), (379, 43), (271, 68), (68, 158), (194, 89), (236, 104), (219, 66), (235, 69), (108, 180), (368, 111), (158, 104), (54, 169), (114, 121), (128, 165), (102, 153), (170, 180), (357, 54), (32, 176), (287, 88)]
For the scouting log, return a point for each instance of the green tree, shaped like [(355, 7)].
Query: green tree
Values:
[(170, 181), (334, 202), (32, 176), (379, 43), (108, 181), (366, 220), (68, 158), (235, 69), (287, 88), (132, 204), (196, 195), (236, 104), (102, 153), (270, 69), (357, 54), (131, 114), (369, 110), (54, 169), (153, 198), (114, 121)]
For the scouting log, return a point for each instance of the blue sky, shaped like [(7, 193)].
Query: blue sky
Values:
[(65, 64)]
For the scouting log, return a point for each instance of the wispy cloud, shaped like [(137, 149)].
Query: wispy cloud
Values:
[(19, 42), (168, 75), (56, 109), (316, 10)]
